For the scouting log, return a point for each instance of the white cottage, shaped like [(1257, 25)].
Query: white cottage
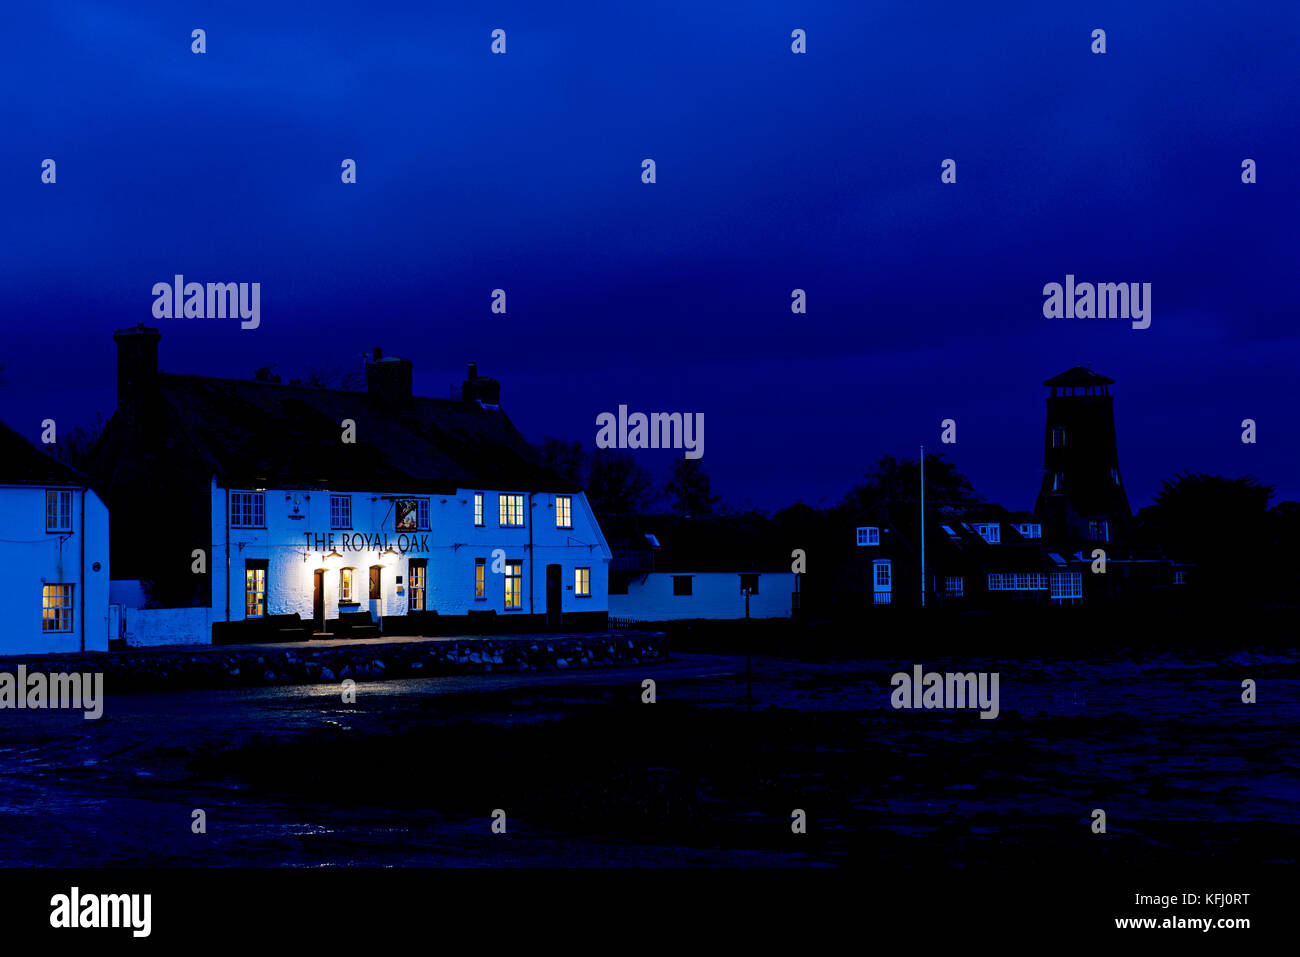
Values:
[(54, 554), (254, 511)]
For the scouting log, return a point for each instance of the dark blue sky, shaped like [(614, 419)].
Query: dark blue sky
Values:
[(775, 171)]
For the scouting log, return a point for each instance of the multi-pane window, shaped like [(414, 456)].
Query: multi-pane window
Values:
[(480, 578), (1017, 581), (248, 509), (1099, 530), (682, 585), (415, 575), (514, 584), (255, 590), (1058, 438), (882, 575), (1180, 578), (478, 508), (56, 608), (563, 511), (868, 535), (582, 582), (422, 514), (340, 511), (1067, 584), (345, 584), (511, 508), (953, 585), (991, 532), (1029, 530), (58, 510), (411, 514)]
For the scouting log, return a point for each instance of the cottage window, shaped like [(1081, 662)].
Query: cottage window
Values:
[(58, 510), (345, 584), (248, 509), (582, 582), (563, 511), (480, 578), (511, 510), (478, 508), (340, 511), (254, 589), (868, 535), (56, 608), (514, 584)]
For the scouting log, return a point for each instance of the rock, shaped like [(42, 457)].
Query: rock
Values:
[(561, 663), (377, 665), (268, 675), (326, 674), (346, 672)]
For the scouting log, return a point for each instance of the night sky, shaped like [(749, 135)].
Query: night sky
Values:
[(775, 171)]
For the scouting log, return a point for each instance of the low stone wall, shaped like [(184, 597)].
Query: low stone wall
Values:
[(170, 669)]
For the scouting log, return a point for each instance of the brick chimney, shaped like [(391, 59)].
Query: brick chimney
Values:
[(481, 389), (389, 380), (137, 369)]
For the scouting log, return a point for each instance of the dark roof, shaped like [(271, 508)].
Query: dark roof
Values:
[(22, 463), (281, 436), (732, 543), (1079, 375)]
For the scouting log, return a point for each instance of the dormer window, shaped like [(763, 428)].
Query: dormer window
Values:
[(991, 532), (1029, 530), (868, 535)]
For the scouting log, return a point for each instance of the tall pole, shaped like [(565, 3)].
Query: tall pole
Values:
[(923, 527)]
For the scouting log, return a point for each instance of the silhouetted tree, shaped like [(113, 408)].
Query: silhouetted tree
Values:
[(893, 481), (689, 490), (617, 484), (74, 444), (567, 458)]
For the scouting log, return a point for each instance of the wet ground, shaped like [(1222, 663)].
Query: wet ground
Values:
[(587, 774)]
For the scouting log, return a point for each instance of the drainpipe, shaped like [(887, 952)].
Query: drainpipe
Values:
[(531, 562), (82, 536), (227, 554)]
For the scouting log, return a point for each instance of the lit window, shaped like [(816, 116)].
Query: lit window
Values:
[(991, 532), (582, 582), (254, 591), (1058, 438), (563, 511), (248, 509), (415, 576), (682, 585), (345, 584), (58, 510), (953, 585), (56, 608), (882, 574), (478, 508), (480, 578), (340, 511), (514, 584), (511, 508), (868, 535)]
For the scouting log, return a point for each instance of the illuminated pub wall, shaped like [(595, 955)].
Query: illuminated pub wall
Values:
[(393, 558)]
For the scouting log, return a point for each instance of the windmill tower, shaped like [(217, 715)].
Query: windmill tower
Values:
[(1081, 499)]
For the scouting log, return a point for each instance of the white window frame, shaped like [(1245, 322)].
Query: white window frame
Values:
[(868, 535), (953, 586), (61, 513), (991, 532), (508, 504), (340, 511), (62, 610), (878, 566), (1067, 585), (247, 508), (582, 582), (1029, 530), (514, 573), (478, 509), (564, 510), (346, 584)]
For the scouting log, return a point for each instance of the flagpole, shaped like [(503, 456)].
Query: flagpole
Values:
[(923, 527)]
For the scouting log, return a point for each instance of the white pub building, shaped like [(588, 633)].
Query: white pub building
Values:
[(54, 554), (254, 511)]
